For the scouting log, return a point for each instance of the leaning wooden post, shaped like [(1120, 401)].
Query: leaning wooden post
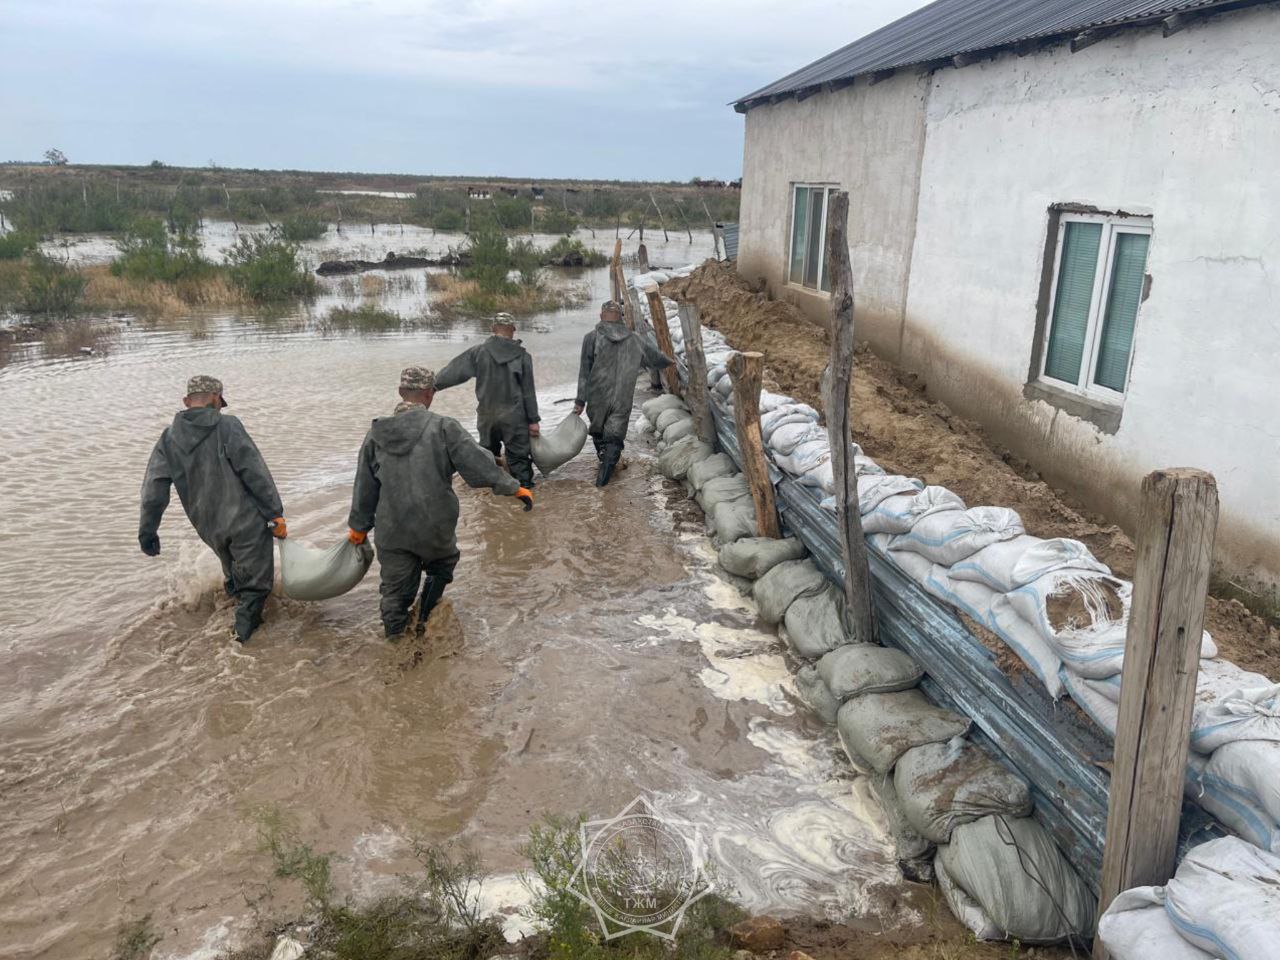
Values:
[(747, 371), (837, 386), (696, 394), (662, 333), (630, 306), (615, 271), (1176, 526)]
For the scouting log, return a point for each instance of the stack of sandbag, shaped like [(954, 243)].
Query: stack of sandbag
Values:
[(1224, 901)]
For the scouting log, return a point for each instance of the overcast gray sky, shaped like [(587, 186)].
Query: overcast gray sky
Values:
[(543, 88)]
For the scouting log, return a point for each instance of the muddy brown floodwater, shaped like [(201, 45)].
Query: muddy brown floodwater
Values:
[(599, 656)]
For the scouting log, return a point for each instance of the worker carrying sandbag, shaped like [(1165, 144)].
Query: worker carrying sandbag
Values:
[(227, 492), (611, 360), (404, 489), (506, 401)]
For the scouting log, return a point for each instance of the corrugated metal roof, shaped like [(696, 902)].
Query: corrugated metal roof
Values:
[(947, 28)]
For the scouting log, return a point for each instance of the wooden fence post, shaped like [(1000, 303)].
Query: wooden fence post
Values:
[(837, 384), (615, 271), (1176, 526), (696, 395), (630, 305), (662, 333), (747, 371), (642, 254)]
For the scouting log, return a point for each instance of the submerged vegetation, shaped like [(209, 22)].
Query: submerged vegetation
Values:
[(436, 914)]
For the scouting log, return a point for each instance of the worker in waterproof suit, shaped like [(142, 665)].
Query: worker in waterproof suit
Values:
[(404, 490), (506, 402), (612, 357), (227, 492)]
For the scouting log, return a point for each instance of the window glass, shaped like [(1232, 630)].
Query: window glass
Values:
[(1128, 265), (817, 200), (799, 233), (1071, 303)]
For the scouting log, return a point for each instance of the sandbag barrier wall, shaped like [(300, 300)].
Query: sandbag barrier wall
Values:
[(1057, 751)]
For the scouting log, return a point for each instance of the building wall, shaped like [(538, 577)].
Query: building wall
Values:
[(866, 139), (1185, 129)]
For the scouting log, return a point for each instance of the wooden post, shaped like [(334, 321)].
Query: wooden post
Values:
[(696, 394), (661, 222), (688, 229), (746, 371), (642, 256), (615, 271), (662, 333), (837, 387), (630, 306), (1176, 526)]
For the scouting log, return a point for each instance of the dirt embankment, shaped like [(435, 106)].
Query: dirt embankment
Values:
[(906, 432)]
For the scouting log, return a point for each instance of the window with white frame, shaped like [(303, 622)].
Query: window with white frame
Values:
[(808, 253), (1097, 288)]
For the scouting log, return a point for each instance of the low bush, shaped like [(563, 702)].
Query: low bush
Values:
[(558, 221), (299, 227), (50, 289), (149, 252), (266, 268), (16, 244), (572, 252), (365, 318)]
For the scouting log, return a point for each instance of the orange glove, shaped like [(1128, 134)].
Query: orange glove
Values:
[(278, 528), (525, 496), (357, 536)]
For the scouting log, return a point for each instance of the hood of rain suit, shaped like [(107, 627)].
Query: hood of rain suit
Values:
[(404, 481), (223, 482)]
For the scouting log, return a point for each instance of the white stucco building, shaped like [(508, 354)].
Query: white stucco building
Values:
[(1065, 216)]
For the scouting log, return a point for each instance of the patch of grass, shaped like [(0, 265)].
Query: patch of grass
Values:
[(16, 244), (135, 940), (558, 221), (455, 296), (572, 252), (366, 318), (267, 269), (157, 299), (298, 227), (148, 251)]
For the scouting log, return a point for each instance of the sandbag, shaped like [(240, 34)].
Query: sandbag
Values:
[(1241, 714), (716, 465), (899, 513), (964, 907), (1251, 768), (310, 573), (559, 445), (669, 416), (1015, 872), (722, 490), (679, 430), (1137, 927), (1235, 809), (675, 461), (943, 785), (807, 456), (753, 557), (732, 520), (1084, 617), (873, 488), (813, 623), (668, 401), (776, 590), (1025, 640), (975, 599), (947, 538), (859, 668), (1099, 708), (908, 845), (815, 695), (771, 422), (788, 436), (1225, 899), (881, 727), (1012, 563)]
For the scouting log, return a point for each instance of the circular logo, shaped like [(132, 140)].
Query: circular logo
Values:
[(639, 871)]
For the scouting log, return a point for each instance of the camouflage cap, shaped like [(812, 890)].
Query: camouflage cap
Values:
[(611, 306), (205, 384), (417, 378), (504, 318)]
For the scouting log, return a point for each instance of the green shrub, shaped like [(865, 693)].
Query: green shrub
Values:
[(491, 262), (51, 289), (149, 252), (266, 268), (573, 250), (558, 221), (298, 227), (15, 244), (366, 317), (450, 221), (527, 259)]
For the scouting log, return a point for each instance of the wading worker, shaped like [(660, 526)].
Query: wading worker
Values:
[(612, 357), (227, 492), (404, 490), (506, 402)]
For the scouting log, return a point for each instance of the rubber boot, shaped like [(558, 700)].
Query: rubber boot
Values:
[(432, 591), (608, 460)]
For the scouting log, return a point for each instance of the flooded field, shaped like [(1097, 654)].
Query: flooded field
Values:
[(599, 654)]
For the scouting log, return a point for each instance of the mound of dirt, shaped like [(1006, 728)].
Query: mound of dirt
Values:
[(907, 432)]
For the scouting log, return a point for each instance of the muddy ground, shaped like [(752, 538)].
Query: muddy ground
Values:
[(906, 432)]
